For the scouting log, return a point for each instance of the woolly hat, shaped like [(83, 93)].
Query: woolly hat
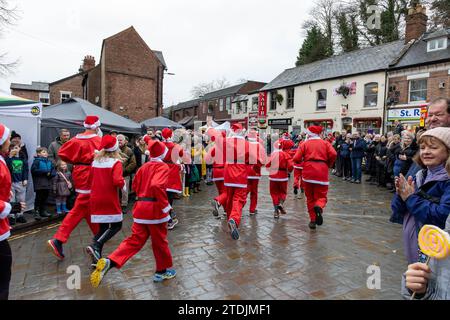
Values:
[(441, 133), (109, 143), (4, 133), (15, 135), (156, 149), (92, 122), (167, 133), (314, 130)]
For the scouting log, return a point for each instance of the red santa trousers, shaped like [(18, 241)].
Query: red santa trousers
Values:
[(236, 199), (133, 244), (80, 211), (278, 191), (298, 182), (222, 197), (252, 189), (316, 195)]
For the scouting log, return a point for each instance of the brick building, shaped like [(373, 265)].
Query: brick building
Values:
[(422, 74), (36, 91), (186, 113), (127, 81)]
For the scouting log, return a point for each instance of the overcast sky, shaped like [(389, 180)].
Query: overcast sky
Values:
[(202, 40)]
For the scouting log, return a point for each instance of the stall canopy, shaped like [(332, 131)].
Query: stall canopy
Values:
[(23, 116), (161, 123), (71, 113)]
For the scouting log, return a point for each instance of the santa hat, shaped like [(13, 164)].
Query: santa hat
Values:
[(237, 127), (156, 149), (167, 133), (286, 136), (147, 139), (314, 131), (286, 144), (109, 143), (92, 122), (4, 133)]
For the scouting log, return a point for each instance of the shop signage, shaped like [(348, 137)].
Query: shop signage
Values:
[(262, 105), (409, 114), (423, 116), (252, 120), (280, 122)]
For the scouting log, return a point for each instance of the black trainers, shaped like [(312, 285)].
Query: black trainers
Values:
[(45, 214), (94, 253), (21, 219), (319, 218), (233, 229), (296, 191), (12, 220), (37, 216), (215, 206), (312, 225), (172, 223), (56, 248), (276, 213)]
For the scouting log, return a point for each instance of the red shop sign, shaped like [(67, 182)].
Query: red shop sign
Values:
[(262, 105)]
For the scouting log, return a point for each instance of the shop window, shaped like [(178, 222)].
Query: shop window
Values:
[(255, 104), (244, 107), (371, 94), (228, 104), (321, 99), (221, 104), (364, 126), (290, 98), (418, 90), (238, 107), (211, 106), (273, 100)]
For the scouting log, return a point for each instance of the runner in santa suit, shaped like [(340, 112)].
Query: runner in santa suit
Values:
[(257, 154), (237, 159), (174, 185), (298, 168), (317, 156), (216, 156), (150, 214), (107, 179), (79, 152), (6, 208), (280, 165)]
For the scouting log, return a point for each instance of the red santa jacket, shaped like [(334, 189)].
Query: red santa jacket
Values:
[(5, 194), (172, 158), (80, 152), (107, 178), (292, 153), (237, 158), (217, 157), (279, 165), (150, 184), (317, 156), (257, 158)]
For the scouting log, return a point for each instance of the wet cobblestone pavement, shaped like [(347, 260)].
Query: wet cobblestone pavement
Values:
[(272, 260)]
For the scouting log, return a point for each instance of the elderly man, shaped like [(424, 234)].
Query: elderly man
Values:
[(438, 114), (129, 166), (53, 148)]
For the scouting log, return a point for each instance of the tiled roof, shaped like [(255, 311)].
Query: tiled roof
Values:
[(224, 92), (355, 62), (160, 57), (186, 105), (34, 86)]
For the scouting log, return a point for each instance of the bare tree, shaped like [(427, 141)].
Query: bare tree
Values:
[(206, 87), (323, 16), (8, 15)]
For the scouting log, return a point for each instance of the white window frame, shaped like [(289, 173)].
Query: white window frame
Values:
[(288, 99), (436, 42), (409, 91), (221, 104), (321, 108), (255, 107), (228, 101), (64, 92), (46, 97), (366, 95)]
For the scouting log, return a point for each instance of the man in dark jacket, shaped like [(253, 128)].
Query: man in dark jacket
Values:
[(64, 136), (129, 165), (357, 150)]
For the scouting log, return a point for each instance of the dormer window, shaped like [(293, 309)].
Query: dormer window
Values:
[(437, 44)]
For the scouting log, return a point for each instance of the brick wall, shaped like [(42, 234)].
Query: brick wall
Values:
[(94, 86), (72, 84), (30, 95)]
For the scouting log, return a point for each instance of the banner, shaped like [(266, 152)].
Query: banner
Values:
[(262, 109)]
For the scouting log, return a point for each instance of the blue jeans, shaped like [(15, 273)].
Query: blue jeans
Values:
[(356, 168)]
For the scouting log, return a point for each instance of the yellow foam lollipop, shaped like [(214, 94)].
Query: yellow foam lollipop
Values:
[(434, 242)]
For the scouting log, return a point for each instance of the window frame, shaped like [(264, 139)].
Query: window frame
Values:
[(436, 42), (211, 106), (367, 105), (47, 97), (61, 93), (273, 101), (255, 106), (317, 99), (290, 100), (409, 90), (228, 104), (221, 104)]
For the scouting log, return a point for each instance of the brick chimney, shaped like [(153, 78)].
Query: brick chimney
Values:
[(416, 22), (88, 63)]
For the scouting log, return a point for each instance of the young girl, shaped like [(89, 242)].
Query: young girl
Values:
[(62, 184), (426, 200), (107, 179), (150, 214)]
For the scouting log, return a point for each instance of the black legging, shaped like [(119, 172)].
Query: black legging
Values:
[(5, 269), (106, 232), (40, 202)]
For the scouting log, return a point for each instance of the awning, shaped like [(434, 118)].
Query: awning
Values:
[(185, 120)]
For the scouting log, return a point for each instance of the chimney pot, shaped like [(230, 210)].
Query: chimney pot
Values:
[(88, 63), (416, 23)]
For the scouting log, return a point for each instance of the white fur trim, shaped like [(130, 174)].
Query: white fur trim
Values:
[(5, 213), (161, 157), (299, 168), (5, 236), (238, 137), (167, 209), (109, 163), (254, 178), (146, 221), (147, 153), (174, 191), (317, 182), (218, 179), (83, 191), (116, 146), (113, 218), (5, 135), (85, 137), (235, 185), (313, 138), (279, 180), (2, 160), (92, 126)]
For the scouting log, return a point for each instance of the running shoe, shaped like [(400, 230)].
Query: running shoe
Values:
[(56, 248), (169, 274), (319, 218), (101, 269), (234, 230)]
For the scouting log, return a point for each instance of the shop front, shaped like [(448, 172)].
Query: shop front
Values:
[(368, 125), (282, 125), (411, 117), (243, 122), (327, 124)]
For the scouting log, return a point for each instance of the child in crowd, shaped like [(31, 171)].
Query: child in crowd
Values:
[(344, 154), (426, 200), (18, 167), (62, 185), (42, 172), (150, 214), (430, 282), (107, 179)]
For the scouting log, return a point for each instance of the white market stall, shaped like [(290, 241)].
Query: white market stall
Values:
[(24, 117)]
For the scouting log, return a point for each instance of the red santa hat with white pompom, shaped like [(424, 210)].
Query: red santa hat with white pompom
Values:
[(4, 133)]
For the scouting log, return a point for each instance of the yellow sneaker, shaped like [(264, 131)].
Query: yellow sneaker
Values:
[(102, 267)]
